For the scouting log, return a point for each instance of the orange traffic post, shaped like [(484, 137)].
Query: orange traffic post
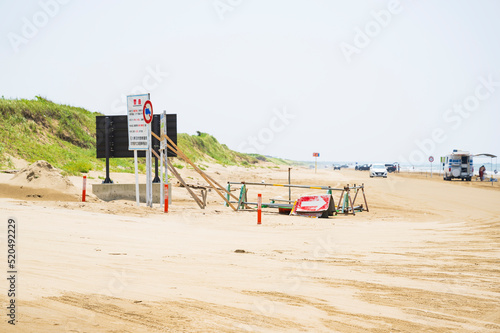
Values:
[(165, 195), (259, 209), (84, 188)]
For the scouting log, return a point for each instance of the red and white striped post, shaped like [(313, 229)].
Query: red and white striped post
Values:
[(84, 188), (259, 209), (165, 195)]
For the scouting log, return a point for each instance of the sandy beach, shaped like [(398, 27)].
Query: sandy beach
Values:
[(425, 258)]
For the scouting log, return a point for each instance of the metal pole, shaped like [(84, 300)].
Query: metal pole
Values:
[(166, 198), (107, 180), (150, 170), (162, 192), (289, 188), (157, 178), (227, 195), (166, 153), (84, 188), (156, 128), (259, 209), (166, 177), (297, 186), (136, 178), (149, 193), (491, 176)]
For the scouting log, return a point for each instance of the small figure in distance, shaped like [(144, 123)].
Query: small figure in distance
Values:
[(481, 172)]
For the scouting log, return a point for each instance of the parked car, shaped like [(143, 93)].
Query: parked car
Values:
[(364, 167), (336, 167), (378, 170), (391, 167), (344, 166)]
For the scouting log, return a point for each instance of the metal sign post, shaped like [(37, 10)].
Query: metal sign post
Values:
[(431, 159), (163, 152), (136, 179), (147, 113), (316, 155), (289, 189), (161, 177), (149, 175)]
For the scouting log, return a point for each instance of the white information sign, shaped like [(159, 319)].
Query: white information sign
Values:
[(137, 128)]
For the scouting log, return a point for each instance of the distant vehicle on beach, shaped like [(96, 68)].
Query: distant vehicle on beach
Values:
[(391, 167), (378, 170), (344, 166), (363, 167), (336, 167), (458, 164)]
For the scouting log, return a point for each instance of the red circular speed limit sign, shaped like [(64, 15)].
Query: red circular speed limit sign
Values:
[(147, 112), (431, 159)]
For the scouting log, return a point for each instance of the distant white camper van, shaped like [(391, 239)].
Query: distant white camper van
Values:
[(458, 165)]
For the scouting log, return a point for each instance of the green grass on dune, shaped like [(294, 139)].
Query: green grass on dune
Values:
[(62, 135), (65, 135)]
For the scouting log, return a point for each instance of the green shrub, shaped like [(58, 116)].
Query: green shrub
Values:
[(77, 167)]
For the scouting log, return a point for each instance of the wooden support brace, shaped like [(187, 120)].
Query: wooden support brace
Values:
[(204, 196), (202, 174), (176, 149), (341, 201), (363, 191), (156, 154), (355, 196), (178, 176)]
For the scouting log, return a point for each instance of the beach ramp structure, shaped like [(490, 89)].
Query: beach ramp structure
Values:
[(310, 205)]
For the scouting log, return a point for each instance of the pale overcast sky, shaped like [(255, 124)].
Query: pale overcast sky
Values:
[(354, 80)]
